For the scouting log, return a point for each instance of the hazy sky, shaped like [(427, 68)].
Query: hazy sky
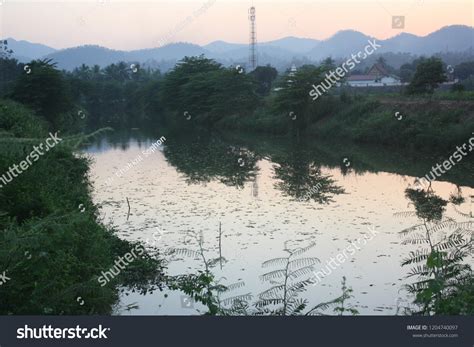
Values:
[(142, 24)]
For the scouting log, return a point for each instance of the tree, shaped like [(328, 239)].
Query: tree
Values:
[(264, 75), (45, 90), (10, 70), (207, 91), (406, 72), (464, 70), (294, 95), (428, 75), (329, 63), (5, 52), (181, 74), (235, 94)]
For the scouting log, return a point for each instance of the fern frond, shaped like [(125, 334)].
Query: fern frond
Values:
[(466, 215), (185, 252), (238, 298), (215, 261), (297, 287), (466, 225), (405, 214), (271, 292), (297, 263), (300, 251), (274, 262), (419, 227), (273, 274), (416, 257), (301, 271), (418, 286), (323, 306), (447, 224), (415, 239), (235, 285), (420, 270), (451, 242), (266, 302), (296, 307)]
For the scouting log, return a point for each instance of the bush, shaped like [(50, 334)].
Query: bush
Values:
[(53, 252), (20, 121)]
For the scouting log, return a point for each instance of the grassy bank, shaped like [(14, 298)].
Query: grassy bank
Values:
[(408, 123), (53, 248), (419, 124)]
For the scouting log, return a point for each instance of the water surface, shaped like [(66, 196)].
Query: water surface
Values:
[(265, 193)]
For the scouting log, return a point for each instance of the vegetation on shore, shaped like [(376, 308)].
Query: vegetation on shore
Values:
[(201, 92), (53, 247)]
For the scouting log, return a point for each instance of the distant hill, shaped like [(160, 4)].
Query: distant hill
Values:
[(342, 44), (70, 58), (455, 38), (280, 53), (222, 46), (293, 44), (25, 50), (170, 51)]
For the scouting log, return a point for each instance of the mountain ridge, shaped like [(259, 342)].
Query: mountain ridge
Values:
[(453, 38)]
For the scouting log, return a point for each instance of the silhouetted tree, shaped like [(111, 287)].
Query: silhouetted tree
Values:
[(428, 75), (264, 75), (45, 90)]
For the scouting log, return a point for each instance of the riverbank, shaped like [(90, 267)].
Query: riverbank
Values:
[(53, 247), (408, 123)]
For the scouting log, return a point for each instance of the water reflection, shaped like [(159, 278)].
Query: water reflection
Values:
[(300, 177), (197, 181), (203, 158)]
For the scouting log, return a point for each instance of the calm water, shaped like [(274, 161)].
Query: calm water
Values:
[(265, 192)]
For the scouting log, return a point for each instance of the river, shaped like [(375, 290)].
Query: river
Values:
[(265, 194)]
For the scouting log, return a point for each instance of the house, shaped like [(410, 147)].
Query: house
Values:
[(378, 71), (377, 76)]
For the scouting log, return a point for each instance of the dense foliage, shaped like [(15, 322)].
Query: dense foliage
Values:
[(53, 248), (428, 75)]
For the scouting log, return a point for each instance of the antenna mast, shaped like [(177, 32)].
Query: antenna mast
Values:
[(253, 40)]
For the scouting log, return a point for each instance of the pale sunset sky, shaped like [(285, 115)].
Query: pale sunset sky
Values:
[(144, 24)]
